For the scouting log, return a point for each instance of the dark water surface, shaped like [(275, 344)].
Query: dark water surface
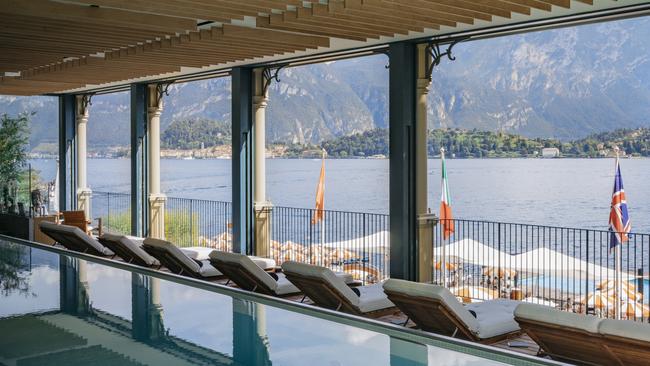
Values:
[(563, 192), (56, 309)]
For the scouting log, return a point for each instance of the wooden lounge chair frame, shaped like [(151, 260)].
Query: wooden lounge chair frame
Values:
[(568, 344), (244, 279), (434, 316), (325, 295), (627, 351), (174, 265)]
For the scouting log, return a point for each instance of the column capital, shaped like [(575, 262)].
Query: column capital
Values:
[(83, 102), (154, 99)]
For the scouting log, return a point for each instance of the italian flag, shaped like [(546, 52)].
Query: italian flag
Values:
[(445, 202)]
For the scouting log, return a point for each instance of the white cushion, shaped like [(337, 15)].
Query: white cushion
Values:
[(248, 264), (324, 274), (264, 263), (207, 270), (373, 298), (495, 317), (546, 314), (188, 262), (198, 253), (133, 245), (284, 286), (439, 293), (348, 278), (76, 235), (625, 329)]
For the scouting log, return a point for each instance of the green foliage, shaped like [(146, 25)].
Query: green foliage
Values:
[(461, 143), (181, 227), (14, 139), (191, 133)]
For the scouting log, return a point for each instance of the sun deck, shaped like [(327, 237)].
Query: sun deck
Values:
[(94, 307)]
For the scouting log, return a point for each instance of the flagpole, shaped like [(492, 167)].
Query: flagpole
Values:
[(443, 262), (322, 221), (617, 260)]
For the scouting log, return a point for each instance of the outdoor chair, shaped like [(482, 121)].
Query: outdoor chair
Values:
[(128, 248), (179, 262), (72, 238), (328, 290), (435, 309), (585, 339), (627, 341), (79, 219), (248, 275)]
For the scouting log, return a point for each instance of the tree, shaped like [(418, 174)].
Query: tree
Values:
[(14, 138)]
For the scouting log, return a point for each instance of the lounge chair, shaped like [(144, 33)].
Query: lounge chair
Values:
[(248, 275), (627, 341), (562, 335), (328, 290), (73, 238), (128, 248), (178, 262), (435, 309)]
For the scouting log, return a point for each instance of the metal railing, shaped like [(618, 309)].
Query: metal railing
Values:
[(568, 268), (114, 209), (192, 222), (352, 242)]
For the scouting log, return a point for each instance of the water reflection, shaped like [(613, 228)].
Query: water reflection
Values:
[(15, 261), (76, 314)]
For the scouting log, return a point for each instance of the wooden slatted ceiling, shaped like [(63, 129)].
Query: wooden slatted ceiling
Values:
[(58, 46)]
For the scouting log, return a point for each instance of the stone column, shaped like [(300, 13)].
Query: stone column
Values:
[(84, 193), (262, 207), (425, 223), (156, 198)]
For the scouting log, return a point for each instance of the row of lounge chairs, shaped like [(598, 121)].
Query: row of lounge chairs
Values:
[(561, 335)]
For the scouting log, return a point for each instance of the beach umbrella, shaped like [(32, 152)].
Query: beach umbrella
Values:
[(633, 309), (472, 293), (598, 300), (500, 272), (611, 284), (449, 266), (628, 290)]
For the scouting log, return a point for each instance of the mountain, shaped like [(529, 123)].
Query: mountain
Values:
[(563, 84)]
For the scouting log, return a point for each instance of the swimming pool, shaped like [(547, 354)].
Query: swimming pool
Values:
[(58, 307)]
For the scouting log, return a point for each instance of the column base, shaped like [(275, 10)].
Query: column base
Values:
[(263, 212), (84, 196), (157, 215), (426, 225)]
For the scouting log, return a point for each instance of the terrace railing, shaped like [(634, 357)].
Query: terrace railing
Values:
[(573, 269), (353, 242)]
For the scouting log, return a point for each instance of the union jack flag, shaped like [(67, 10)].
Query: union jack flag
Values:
[(619, 220)]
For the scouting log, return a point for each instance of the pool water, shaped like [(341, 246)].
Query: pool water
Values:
[(62, 310)]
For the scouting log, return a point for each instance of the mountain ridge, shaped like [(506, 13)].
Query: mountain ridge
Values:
[(562, 84)]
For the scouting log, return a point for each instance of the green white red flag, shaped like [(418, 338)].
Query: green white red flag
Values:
[(446, 218)]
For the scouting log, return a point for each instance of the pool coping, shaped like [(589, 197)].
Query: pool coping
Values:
[(391, 330)]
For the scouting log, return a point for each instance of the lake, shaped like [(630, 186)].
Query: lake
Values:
[(563, 192)]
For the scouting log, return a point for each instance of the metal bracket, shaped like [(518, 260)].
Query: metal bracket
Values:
[(269, 74), (162, 89), (433, 48), (384, 52)]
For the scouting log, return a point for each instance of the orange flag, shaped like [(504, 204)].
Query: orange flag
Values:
[(319, 214)]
